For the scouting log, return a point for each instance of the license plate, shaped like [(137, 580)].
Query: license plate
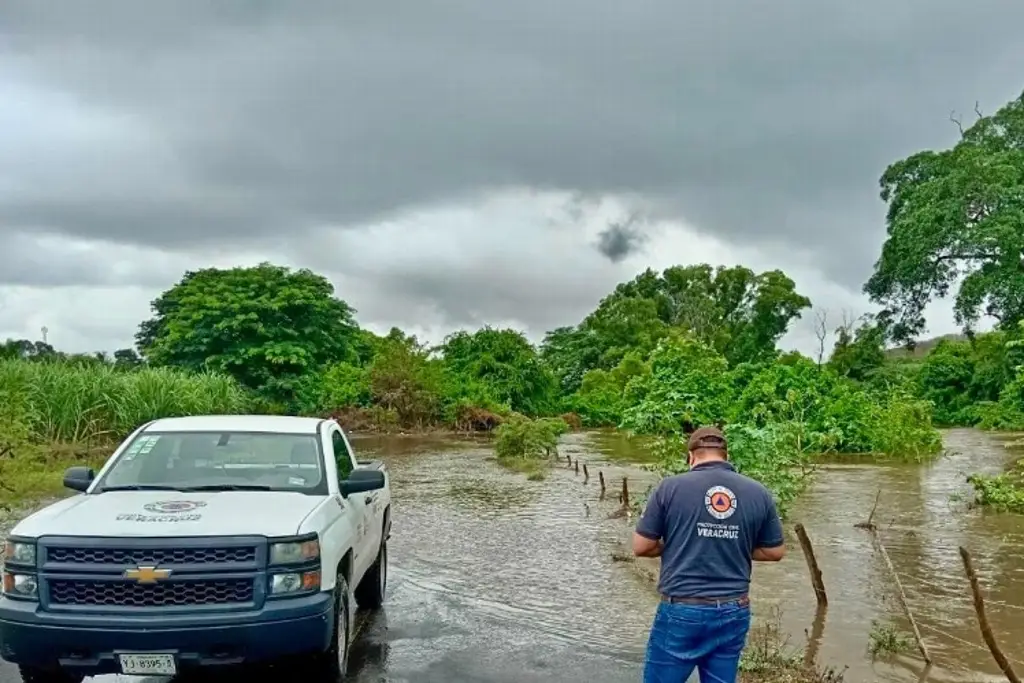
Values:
[(148, 665)]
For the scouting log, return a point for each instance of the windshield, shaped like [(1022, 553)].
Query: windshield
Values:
[(215, 461)]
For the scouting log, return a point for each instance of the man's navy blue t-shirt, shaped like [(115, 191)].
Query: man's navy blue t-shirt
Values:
[(710, 520)]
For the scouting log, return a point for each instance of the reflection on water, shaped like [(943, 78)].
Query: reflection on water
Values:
[(525, 553), (534, 554), (922, 521)]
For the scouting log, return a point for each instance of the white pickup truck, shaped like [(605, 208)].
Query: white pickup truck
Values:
[(202, 541)]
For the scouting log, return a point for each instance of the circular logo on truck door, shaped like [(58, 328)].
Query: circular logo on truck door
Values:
[(720, 502), (169, 507)]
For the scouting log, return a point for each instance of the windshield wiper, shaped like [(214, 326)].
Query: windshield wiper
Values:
[(226, 487), (139, 487)]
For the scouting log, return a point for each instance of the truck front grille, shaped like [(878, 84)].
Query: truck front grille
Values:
[(89, 592), (135, 556)]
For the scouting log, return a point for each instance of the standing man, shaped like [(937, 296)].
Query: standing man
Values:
[(707, 525)]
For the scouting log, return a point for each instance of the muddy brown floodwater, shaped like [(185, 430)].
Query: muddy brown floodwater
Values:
[(922, 519), (495, 578)]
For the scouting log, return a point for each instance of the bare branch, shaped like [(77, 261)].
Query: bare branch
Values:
[(821, 331), (956, 121)]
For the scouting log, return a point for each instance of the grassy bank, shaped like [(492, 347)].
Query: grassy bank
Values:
[(53, 415), (61, 402), (32, 472)]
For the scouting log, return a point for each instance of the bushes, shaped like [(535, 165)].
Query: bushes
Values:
[(774, 455), (528, 446), (523, 438), (778, 414), (686, 384)]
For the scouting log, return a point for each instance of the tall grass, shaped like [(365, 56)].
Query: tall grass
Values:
[(74, 403)]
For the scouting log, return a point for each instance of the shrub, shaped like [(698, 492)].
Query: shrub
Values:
[(522, 438)]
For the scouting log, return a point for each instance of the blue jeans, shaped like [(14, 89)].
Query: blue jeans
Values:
[(709, 638)]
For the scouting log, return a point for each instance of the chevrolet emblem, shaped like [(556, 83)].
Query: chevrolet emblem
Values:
[(147, 574)]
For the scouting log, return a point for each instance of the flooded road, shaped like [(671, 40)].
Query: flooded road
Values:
[(922, 518), (495, 578)]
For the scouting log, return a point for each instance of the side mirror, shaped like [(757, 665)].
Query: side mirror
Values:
[(79, 478), (360, 481)]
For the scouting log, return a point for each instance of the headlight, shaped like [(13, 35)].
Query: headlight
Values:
[(295, 582), (295, 552), (20, 585), (20, 552)]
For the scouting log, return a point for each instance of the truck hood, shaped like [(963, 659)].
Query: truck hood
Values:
[(169, 513)]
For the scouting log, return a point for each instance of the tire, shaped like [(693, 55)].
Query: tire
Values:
[(332, 664), (371, 589), (31, 674)]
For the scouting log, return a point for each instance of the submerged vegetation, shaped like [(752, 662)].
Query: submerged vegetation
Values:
[(885, 640), (529, 446), (768, 658), (1003, 492)]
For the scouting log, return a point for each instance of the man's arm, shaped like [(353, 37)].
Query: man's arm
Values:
[(646, 547), (770, 545), (769, 554), (650, 529)]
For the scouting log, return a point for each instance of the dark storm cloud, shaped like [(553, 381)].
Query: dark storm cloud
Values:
[(621, 238), (756, 121)]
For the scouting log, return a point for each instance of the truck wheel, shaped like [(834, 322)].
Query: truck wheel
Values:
[(332, 664), (31, 674), (370, 591)]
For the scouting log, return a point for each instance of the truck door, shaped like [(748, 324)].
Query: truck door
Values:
[(356, 508)]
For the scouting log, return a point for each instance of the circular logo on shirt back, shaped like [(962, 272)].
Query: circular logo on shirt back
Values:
[(720, 502)]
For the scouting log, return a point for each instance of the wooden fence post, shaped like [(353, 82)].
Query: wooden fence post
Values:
[(986, 628), (812, 565)]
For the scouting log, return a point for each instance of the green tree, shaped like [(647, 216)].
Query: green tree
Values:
[(740, 313), (859, 351), (267, 326), (688, 386), (405, 381), (945, 378), (600, 401), (127, 359), (508, 366), (569, 352), (737, 312), (623, 325), (27, 350), (956, 215)]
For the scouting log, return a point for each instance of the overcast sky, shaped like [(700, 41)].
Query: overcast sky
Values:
[(450, 163)]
